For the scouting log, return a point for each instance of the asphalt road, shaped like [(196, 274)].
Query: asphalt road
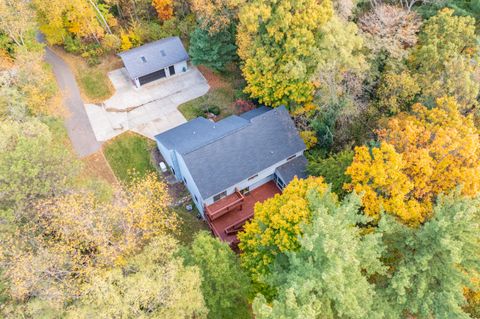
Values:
[(77, 123)]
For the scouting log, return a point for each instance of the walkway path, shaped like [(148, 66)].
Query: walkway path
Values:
[(77, 123)]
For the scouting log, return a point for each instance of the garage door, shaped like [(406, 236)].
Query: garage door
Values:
[(152, 77)]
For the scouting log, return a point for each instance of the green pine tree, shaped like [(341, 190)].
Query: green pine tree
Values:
[(225, 286), (431, 265), (213, 50), (328, 276)]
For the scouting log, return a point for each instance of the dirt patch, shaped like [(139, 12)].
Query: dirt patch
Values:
[(96, 165), (216, 81)]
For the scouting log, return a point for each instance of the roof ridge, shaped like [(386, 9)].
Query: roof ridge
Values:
[(250, 122), (218, 138)]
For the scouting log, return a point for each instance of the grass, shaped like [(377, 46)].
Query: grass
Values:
[(189, 224), (94, 84), (93, 81), (127, 152), (221, 97), (225, 89)]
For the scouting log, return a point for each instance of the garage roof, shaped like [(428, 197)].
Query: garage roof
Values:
[(153, 56)]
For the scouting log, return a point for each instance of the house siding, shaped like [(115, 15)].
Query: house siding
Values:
[(190, 184), (263, 177), (179, 67)]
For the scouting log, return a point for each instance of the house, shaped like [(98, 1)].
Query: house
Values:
[(230, 165), (155, 60)]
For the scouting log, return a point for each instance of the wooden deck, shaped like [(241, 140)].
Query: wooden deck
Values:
[(231, 217)]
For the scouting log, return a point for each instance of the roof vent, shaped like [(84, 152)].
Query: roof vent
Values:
[(144, 60), (163, 53)]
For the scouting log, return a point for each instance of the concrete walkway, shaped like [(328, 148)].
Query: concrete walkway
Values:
[(149, 110), (77, 123)]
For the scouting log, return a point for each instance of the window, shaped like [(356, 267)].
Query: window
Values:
[(291, 157), (245, 190), (252, 177), (219, 196), (185, 181), (144, 60), (196, 199)]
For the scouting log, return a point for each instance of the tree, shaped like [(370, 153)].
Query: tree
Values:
[(390, 28), (279, 46), (216, 15), (32, 165), (215, 51), (420, 156), (275, 227), (153, 284), (36, 82), (332, 169), (340, 73), (344, 8), (81, 18), (431, 265), (224, 284), (444, 61), (328, 276), (164, 9), (63, 240), (17, 20), (340, 55), (397, 90)]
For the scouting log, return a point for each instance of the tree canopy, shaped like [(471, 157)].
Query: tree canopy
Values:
[(278, 43), (420, 156)]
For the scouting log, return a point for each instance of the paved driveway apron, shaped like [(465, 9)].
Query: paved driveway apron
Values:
[(149, 110), (77, 122)]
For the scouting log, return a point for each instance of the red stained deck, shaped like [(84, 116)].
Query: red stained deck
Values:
[(228, 215)]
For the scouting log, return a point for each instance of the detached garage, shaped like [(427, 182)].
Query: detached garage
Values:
[(155, 60)]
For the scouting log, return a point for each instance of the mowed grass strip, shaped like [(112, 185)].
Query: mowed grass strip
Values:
[(129, 152), (95, 84)]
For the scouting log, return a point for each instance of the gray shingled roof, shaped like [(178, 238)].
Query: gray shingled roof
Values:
[(158, 55), (295, 167), (255, 112), (199, 132), (267, 139)]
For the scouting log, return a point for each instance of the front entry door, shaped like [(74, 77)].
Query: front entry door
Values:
[(172, 70)]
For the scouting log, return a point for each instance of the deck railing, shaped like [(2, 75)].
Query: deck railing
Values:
[(230, 205)]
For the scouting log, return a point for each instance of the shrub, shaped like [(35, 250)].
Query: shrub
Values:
[(111, 42), (72, 44), (242, 106)]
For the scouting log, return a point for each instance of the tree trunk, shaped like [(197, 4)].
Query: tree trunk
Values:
[(102, 18)]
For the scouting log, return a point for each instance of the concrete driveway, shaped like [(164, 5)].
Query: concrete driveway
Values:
[(149, 110)]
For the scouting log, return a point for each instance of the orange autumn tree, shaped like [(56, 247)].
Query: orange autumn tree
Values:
[(164, 9), (420, 156)]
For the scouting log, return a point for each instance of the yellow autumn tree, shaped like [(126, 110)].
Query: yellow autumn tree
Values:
[(69, 237), (164, 9), (279, 44), (421, 155), (276, 226)]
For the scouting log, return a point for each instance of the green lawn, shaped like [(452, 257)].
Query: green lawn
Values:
[(189, 224), (128, 152), (94, 83), (223, 98)]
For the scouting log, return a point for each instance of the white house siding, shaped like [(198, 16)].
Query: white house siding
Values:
[(190, 183), (166, 153), (180, 67), (263, 177)]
